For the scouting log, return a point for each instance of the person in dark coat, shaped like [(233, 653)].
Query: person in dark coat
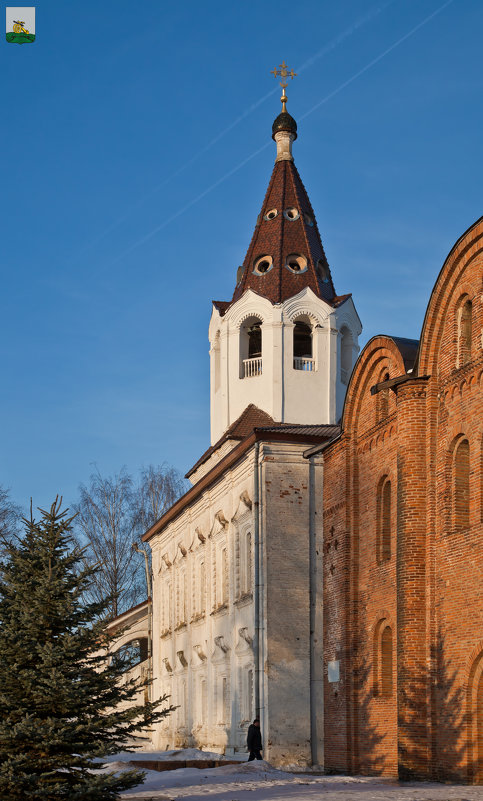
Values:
[(254, 740)]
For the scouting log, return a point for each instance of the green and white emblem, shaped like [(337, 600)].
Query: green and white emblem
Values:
[(20, 24)]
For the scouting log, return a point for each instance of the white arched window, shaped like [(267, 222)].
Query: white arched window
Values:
[(303, 350), (251, 347)]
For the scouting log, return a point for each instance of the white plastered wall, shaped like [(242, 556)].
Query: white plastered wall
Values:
[(215, 642), (192, 657)]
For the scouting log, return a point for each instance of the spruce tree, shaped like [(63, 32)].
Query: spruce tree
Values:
[(59, 696)]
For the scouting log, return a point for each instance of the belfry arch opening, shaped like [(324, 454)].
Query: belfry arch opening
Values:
[(346, 343), (303, 348), (251, 347)]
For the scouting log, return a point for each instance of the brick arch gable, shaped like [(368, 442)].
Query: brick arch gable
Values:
[(366, 374), (451, 284)]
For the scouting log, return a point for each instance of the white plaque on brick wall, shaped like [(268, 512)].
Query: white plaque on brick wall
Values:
[(334, 673)]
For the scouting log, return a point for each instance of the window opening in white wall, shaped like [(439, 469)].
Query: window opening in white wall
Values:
[(251, 348), (224, 576), (204, 702), (244, 563), (201, 587), (224, 702), (302, 347)]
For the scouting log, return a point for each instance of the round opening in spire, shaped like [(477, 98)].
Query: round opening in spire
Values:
[(262, 265), (270, 215), (291, 213), (296, 263), (323, 271)]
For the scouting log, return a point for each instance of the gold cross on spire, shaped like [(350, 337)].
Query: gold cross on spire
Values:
[(284, 73)]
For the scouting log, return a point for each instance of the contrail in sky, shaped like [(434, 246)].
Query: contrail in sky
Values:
[(328, 48), (325, 99), (375, 60)]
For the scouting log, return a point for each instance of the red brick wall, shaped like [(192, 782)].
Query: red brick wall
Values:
[(430, 589)]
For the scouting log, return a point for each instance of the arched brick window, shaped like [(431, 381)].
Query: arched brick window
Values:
[(475, 721), (383, 522), (461, 485), (464, 320), (382, 399), (479, 728), (386, 662), (383, 659)]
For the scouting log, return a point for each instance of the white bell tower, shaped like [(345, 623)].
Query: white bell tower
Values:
[(285, 342)]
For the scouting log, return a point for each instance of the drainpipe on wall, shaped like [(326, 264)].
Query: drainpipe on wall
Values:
[(256, 642), (312, 613)]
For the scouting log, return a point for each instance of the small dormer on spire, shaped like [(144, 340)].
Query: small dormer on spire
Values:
[(284, 128)]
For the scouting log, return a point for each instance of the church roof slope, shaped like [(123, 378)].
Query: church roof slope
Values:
[(408, 349), (286, 254), (252, 417), (310, 434)]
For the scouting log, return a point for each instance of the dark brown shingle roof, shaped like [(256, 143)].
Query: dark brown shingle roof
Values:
[(287, 432), (251, 418), (280, 237), (255, 419)]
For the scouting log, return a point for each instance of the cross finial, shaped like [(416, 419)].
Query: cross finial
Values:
[(284, 72)]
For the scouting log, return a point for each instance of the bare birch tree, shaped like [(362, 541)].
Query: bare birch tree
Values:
[(105, 525), (159, 487), (10, 518), (112, 513)]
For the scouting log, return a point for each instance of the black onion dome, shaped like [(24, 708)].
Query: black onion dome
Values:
[(284, 122)]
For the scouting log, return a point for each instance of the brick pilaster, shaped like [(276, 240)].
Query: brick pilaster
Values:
[(412, 691)]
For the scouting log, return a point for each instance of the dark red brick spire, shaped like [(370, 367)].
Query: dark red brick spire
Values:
[(286, 253)]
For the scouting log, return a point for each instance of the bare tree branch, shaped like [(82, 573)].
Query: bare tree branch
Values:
[(159, 487), (112, 513), (10, 519)]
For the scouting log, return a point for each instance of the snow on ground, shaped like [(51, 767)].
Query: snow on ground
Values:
[(259, 781), (181, 754)]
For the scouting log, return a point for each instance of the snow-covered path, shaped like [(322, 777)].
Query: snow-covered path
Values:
[(259, 781)]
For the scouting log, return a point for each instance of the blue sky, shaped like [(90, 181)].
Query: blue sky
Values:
[(136, 153)]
